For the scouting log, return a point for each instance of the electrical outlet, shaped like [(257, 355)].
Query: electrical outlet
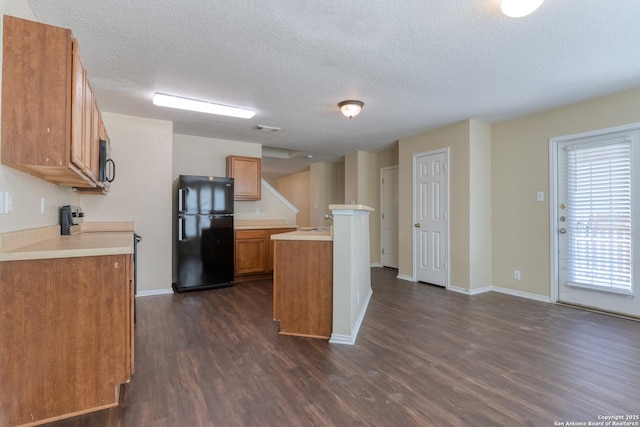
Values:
[(516, 274)]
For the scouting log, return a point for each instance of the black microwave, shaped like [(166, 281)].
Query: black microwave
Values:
[(106, 165)]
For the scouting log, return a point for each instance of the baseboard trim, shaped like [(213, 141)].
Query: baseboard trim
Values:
[(405, 277), (341, 339), (521, 294), (154, 292), (482, 290), (376, 265), (465, 291), (351, 339)]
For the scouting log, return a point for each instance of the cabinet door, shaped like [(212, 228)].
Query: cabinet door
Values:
[(77, 110), (67, 346), (36, 89), (250, 251), (247, 177), (94, 143), (90, 130)]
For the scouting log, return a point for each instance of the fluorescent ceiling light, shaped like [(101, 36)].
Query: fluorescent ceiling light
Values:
[(171, 101), (519, 8)]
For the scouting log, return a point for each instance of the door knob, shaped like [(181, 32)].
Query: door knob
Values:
[(562, 230), (417, 225)]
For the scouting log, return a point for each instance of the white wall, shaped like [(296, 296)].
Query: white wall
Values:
[(195, 155), (141, 192), (322, 182), (296, 189), (479, 205)]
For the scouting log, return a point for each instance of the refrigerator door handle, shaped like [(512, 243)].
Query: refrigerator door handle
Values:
[(181, 225), (181, 199)]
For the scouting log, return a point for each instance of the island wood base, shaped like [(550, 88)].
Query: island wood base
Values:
[(303, 287)]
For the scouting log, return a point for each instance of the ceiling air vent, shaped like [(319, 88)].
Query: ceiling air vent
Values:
[(268, 129)]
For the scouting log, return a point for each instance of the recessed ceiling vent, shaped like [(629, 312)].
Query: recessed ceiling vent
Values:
[(268, 129)]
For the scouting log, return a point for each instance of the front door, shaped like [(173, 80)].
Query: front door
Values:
[(431, 237), (596, 220)]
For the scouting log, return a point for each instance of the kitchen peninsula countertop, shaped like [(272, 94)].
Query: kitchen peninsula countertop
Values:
[(261, 224), (96, 239), (323, 234)]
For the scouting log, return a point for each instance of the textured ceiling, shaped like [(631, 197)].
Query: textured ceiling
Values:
[(415, 64)]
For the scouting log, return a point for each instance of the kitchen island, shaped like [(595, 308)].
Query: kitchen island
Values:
[(66, 345), (303, 283), (322, 277)]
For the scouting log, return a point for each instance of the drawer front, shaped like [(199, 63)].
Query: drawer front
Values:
[(250, 234)]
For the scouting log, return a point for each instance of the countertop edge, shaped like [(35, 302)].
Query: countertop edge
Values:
[(320, 236), (265, 227), (70, 246)]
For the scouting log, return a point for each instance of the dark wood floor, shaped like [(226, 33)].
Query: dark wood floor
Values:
[(424, 357)]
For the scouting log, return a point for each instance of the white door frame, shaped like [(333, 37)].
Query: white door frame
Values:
[(415, 261), (553, 197), (382, 170)]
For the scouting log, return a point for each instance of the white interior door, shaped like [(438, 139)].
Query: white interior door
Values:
[(596, 220), (389, 216), (431, 224)]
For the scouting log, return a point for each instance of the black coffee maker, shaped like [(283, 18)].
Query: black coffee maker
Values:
[(70, 219)]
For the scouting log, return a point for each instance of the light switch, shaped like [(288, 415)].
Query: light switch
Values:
[(8, 202), (540, 196)]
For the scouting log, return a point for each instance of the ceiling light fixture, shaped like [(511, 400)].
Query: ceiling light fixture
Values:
[(172, 101), (519, 8), (267, 129), (351, 108)]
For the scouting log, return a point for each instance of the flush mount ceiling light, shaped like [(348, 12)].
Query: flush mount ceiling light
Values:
[(519, 8), (172, 101), (351, 108)]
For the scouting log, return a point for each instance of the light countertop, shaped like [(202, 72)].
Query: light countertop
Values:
[(53, 245), (318, 235), (264, 227), (261, 224)]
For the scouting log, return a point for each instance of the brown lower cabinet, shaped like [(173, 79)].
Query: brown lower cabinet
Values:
[(254, 253), (66, 341), (303, 287)]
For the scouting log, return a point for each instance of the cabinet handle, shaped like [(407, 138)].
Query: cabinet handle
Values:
[(111, 176), (116, 265)]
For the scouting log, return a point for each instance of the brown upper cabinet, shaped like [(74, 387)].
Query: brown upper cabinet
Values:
[(247, 177), (50, 118)]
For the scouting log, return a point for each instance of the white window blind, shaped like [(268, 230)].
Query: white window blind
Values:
[(598, 226)]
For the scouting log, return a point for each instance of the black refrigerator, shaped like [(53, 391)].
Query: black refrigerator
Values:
[(204, 233)]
